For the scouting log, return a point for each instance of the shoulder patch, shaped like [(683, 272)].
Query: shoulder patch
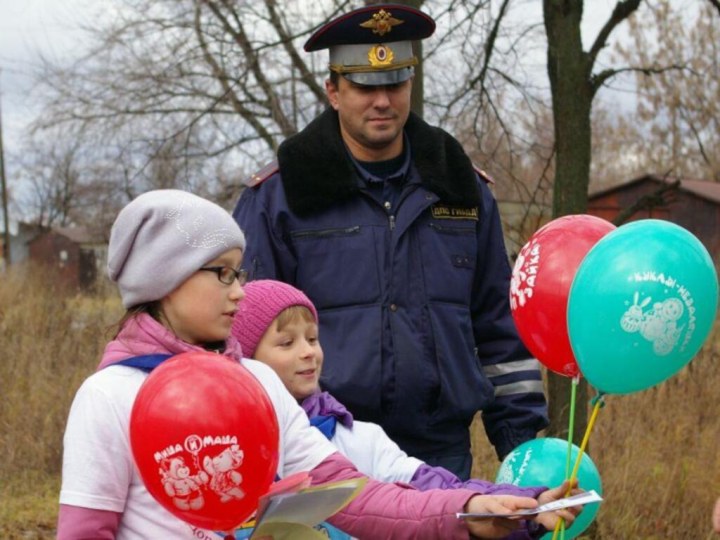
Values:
[(261, 175), (482, 174)]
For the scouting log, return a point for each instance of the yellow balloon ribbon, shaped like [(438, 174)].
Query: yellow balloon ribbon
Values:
[(599, 403)]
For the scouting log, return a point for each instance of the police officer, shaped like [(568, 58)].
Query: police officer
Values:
[(383, 222)]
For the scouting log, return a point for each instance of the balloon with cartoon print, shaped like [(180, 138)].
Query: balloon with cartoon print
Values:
[(540, 284), (204, 437), (543, 462), (641, 305)]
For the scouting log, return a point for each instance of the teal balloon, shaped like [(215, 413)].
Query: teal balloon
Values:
[(543, 462), (641, 305)]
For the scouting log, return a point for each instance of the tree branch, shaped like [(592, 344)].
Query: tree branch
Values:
[(239, 36), (599, 79), (621, 12), (305, 74), (223, 78)]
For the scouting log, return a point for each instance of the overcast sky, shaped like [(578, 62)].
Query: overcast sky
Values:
[(27, 27)]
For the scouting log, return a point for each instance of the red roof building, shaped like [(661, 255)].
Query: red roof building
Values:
[(692, 204)]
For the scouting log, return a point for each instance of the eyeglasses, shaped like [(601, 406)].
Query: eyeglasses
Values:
[(228, 275)]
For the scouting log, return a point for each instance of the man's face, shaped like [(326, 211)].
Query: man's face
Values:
[(371, 117)]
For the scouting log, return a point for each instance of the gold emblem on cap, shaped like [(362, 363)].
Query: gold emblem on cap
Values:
[(381, 22), (380, 55)]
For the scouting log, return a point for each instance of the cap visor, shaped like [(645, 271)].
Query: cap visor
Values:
[(380, 78)]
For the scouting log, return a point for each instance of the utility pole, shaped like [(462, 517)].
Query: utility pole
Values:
[(6, 220)]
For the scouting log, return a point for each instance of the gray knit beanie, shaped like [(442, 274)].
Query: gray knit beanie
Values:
[(163, 237)]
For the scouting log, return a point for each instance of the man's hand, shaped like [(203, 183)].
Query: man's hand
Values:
[(496, 527)]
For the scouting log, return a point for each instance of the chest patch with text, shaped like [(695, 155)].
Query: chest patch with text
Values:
[(454, 212)]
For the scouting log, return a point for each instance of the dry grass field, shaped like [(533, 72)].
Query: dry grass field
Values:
[(49, 342), (657, 450)]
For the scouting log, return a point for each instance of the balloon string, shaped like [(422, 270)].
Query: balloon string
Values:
[(599, 403), (571, 424), (571, 433)]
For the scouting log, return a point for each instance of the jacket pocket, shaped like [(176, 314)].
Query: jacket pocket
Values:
[(449, 260)]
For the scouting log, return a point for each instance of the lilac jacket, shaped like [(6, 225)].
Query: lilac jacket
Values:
[(381, 510)]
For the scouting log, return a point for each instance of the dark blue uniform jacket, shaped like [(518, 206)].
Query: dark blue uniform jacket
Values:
[(413, 301)]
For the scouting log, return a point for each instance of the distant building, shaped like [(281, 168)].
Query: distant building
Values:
[(20, 242), (75, 255), (20, 236), (694, 205)]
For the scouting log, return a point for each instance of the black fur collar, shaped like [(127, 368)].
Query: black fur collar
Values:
[(317, 172)]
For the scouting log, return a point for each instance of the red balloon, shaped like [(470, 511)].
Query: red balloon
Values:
[(540, 285), (204, 437)]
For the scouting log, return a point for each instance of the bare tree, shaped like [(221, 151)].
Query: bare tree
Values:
[(680, 109), (52, 170), (619, 148), (225, 77)]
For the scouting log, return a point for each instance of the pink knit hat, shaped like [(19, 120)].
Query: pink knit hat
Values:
[(264, 300)]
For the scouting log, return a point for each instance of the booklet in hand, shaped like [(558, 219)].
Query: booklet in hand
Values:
[(291, 508), (576, 500)]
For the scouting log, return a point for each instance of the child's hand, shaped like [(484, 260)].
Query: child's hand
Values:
[(549, 519), (496, 527), (716, 517)]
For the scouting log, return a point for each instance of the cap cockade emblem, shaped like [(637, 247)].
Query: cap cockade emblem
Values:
[(380, 55), (381, 22)]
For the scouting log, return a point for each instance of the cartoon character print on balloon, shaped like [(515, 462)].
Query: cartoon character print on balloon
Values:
[(658, 324), (665, 322), (225, 479), (180, 485), (186, 484)]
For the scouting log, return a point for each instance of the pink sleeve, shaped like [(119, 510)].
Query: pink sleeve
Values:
[(399, 511), (78, 523)]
